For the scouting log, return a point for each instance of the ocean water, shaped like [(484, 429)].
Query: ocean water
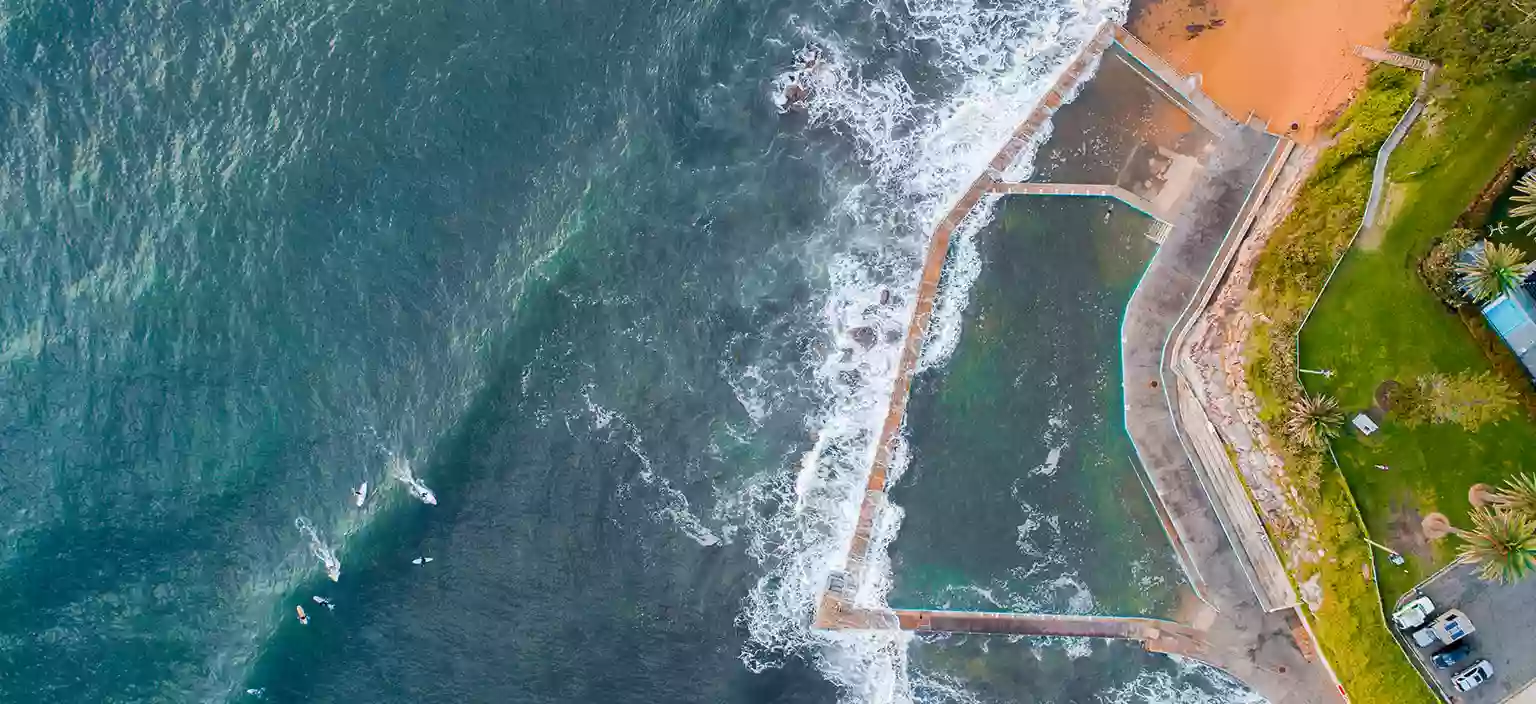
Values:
[(569, 265)]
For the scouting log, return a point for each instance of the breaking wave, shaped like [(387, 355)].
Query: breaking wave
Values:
[(920, 149)]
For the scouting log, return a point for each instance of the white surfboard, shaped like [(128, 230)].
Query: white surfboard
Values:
[(421, 560), (362, 494)]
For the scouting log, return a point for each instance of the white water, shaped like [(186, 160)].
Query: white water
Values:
[(319, 548), (400, 470), (920, 157)]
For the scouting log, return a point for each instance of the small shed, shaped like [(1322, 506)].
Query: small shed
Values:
[(1364, 424)]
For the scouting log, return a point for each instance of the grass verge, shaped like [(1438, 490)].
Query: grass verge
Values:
[(1378, 322), (1288, 276)]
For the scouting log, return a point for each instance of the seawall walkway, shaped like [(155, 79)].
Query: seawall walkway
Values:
[(1229, 629)]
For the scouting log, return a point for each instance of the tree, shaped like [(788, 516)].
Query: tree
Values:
[(1526, 211), (1501, 543), (1436, 526), (1481, 495), (1494, 269), (1439, 266), (1518, 495), (1467, 399), (1314, 420)]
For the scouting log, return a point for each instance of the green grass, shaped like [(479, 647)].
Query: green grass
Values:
[(1378, 321), (1349, 625)]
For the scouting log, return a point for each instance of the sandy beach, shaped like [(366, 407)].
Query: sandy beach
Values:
[(1288, 62)]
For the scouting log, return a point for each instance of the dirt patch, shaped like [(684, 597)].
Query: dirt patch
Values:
[(1287, 62), (1407, 535), (1384, 393)]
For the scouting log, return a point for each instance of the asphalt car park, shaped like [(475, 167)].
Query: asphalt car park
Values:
[(1504, 635)]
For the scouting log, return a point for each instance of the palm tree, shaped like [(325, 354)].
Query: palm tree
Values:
[(1481, 495), (1314, 420), (1526, 211), (1502, 544), (1494, 269), (1518, 495), (1436, 527)]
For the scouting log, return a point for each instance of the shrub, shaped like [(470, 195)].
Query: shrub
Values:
[(1468, 400), (1438, 267)]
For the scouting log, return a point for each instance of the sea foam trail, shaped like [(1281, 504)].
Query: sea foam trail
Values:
[(319, 548), (920, 156), (400, 469)]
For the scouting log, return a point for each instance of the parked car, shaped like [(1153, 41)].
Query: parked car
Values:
[(1453, 625), (1451, 655), (1414, 613), (1472, 676)]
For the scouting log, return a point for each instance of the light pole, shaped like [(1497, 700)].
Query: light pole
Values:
[(1326, 373), (1393, 556)]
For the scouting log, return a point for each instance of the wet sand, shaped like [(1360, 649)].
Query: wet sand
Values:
[(1285, 61)]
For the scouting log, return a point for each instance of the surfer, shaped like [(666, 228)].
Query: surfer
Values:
[(303, 617), (324, 602), (425, 495), (421, 560), (797, 92), (360, 494)]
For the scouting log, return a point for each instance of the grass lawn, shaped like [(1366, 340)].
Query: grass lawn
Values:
[(1378, 322)]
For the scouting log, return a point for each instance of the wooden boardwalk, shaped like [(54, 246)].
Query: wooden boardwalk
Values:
[(1394, 58)]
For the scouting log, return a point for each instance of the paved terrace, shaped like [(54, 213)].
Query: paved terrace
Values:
[(1226, 626)]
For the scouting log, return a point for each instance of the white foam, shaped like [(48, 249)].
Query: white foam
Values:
[(1189, 682), (319, 548), (920, 157), (400, 470), (672, 506)]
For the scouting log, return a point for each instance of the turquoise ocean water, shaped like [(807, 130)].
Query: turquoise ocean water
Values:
[(570, 265)]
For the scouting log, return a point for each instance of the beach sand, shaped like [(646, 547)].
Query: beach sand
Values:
[(1285, 61)]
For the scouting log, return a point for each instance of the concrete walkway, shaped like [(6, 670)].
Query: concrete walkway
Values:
[(1256, 646), (1082, 189)]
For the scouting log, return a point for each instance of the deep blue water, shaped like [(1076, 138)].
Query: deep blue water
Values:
[(566, 262)]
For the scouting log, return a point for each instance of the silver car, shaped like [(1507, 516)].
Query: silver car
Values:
[(1478, 673)]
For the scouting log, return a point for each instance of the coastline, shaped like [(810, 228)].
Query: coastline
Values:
[(1284, 63)]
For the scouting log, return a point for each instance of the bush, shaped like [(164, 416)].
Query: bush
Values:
[(1468, 400), (1368, 122), (1474, 39), (1438, 267)]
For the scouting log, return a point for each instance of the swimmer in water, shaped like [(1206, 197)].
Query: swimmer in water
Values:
[(303, 617), (324, 602)]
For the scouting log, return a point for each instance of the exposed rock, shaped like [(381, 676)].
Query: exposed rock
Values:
[(1312, 592)]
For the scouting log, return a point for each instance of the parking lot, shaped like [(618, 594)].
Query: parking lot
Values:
[(1505, 633)]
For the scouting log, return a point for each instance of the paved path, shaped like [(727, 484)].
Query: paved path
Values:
[(1082, 189), (1261, 647), (1204, 444)]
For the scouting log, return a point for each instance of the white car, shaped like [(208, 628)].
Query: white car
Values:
[(1414, 613), (1473, 676)]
